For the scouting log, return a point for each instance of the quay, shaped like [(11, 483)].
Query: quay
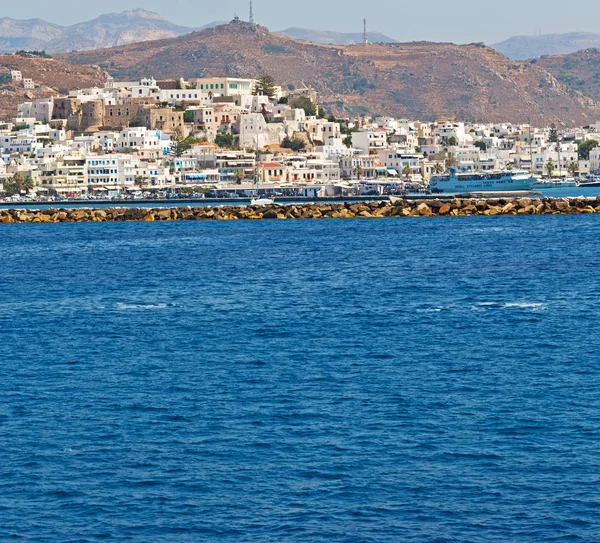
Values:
[(456, 207)]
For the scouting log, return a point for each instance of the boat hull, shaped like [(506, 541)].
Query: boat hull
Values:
[(481, 183)]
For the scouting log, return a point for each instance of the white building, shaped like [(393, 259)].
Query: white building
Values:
[(595, 159), (253, 131), (107, 172), (174, 96), (224, 86), (370, 141), (41, 110)]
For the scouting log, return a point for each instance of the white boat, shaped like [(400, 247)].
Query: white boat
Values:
[(261, 201), (460, 183), (556, 183)]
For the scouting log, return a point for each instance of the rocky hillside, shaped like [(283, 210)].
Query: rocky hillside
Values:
[(334, 38), (51, 76), (529, 47), (580, 70), (105, 31), (416, 80)]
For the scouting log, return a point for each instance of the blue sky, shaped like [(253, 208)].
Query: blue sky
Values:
[(460, 21)]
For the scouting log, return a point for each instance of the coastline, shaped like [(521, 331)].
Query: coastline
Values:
[(457, 207)]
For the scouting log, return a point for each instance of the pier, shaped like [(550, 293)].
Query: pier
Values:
[(456, 207)]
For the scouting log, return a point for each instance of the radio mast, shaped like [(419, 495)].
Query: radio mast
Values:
[(365, 35), (251, 19)]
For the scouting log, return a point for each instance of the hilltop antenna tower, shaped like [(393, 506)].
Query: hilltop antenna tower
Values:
[(251, 19), (365, 34)]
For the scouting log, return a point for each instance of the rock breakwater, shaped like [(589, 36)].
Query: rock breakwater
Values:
[(348, 210)]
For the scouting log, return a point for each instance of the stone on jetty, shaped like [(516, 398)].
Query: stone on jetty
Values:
[(403, 208)]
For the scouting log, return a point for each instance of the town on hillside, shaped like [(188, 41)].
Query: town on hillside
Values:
[(225, 137)]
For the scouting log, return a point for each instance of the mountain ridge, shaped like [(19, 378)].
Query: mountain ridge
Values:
[(107, 30), (419, 80), (131, 26), (531, 47)]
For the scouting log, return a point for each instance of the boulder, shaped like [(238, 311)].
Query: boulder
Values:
[(424, 210), (445, 209), (270, 214)]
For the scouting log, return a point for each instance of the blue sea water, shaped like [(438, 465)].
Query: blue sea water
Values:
[(293, 381)]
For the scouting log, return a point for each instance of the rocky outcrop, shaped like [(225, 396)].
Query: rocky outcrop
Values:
[(348, 210)]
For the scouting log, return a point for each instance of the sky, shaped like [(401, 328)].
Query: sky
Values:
[(459, 21)]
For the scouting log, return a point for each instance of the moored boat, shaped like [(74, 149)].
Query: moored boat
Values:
[(506, 181), (556, 183), (261, 201)]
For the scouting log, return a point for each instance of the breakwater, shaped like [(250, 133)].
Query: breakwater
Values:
[(458, 207)]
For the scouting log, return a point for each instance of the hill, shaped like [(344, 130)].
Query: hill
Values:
[(53, 77), (580, 70), (334, 38), (107, 30), (529, 47), (415, 80)]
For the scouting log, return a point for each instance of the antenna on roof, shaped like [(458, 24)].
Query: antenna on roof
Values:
[(251, 19), (365, 35)]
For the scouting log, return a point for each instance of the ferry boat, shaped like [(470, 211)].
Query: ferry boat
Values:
[(507, 181)]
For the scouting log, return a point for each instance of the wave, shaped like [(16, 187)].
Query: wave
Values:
[(141, 307)]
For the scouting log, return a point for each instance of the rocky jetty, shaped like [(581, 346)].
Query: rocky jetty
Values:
[(348, 210)]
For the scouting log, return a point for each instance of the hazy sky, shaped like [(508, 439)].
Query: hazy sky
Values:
[(460, 21)]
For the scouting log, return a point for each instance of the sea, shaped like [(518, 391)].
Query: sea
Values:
[(340, 381)]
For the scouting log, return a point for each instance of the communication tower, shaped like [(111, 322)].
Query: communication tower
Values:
[(365, 35), (251, 19)]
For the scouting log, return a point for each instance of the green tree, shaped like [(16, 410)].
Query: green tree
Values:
[(225, 140), (359, 171), (265, 86), (549, 169), (553, 137), (407, 171), (18, 184), (321, 112), (451, 141), (296, 144), (438, 168), (184, 144), (347, 141), (331, 118), (141, 181), (451, 161), (283, 100), (188, 117), (481, 145), (573, 167), (305, 103), (509, 166), (583, 150)]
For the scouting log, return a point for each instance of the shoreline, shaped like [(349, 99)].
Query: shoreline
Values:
[(458, 207)]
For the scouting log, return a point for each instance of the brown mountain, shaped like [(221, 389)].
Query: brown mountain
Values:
[(415, 80), (51, 76), (580, 70)]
